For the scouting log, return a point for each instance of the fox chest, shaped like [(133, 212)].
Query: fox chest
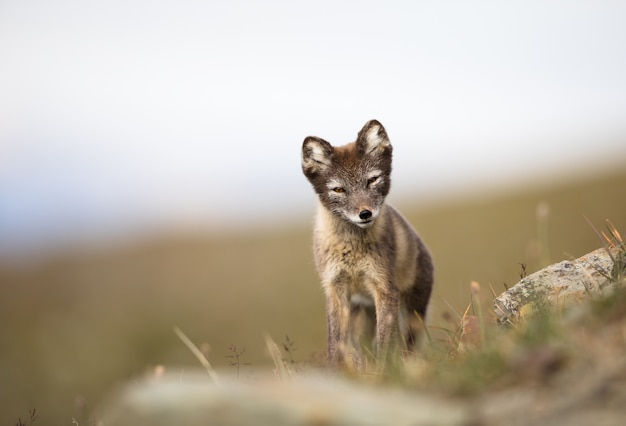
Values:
[(350, 263)]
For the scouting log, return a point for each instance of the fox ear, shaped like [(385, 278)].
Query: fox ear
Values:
[(316, 155), (373, 138)]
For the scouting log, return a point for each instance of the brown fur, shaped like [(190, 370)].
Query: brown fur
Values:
[(362, 246)]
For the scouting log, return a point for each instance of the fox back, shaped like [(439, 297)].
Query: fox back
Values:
[(368, 256)]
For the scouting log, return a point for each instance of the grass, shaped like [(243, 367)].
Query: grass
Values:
[(534, 352), (198, 354), (615, 247), (479, 355), (475, 354), (32, 418)]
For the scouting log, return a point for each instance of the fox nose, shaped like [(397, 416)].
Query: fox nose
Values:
[(365, 214)]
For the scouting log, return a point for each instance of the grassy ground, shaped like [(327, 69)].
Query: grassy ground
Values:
[(75, 325)]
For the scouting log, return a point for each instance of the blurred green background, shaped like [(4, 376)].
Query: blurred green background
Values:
[(75, 324)]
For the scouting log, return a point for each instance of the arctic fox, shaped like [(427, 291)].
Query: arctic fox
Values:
[(365, 252)]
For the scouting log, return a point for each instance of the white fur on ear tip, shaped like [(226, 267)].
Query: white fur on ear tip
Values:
[(374, 138), (315, 156)]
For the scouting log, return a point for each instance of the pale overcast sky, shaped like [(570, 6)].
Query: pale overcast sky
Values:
[(122, 115)]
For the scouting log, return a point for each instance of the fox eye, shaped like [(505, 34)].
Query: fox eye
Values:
[(372, 180), (339, 190)]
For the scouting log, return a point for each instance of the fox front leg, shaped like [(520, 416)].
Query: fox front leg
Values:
[(338, 317), (387, 311)]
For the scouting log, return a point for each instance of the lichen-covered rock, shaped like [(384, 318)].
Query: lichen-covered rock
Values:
[(557, 285)]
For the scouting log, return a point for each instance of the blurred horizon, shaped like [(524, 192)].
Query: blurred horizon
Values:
[(134, 117), (137, 233)]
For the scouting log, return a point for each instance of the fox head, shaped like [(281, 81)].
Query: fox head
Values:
[(353, 180)]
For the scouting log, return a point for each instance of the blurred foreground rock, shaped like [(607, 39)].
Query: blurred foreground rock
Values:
[(557, 285), (589, 394), (195, 400)]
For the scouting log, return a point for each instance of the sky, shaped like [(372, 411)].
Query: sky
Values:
[(122, 117)]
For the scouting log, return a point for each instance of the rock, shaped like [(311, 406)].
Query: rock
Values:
[(557, 285), (325, 400)]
